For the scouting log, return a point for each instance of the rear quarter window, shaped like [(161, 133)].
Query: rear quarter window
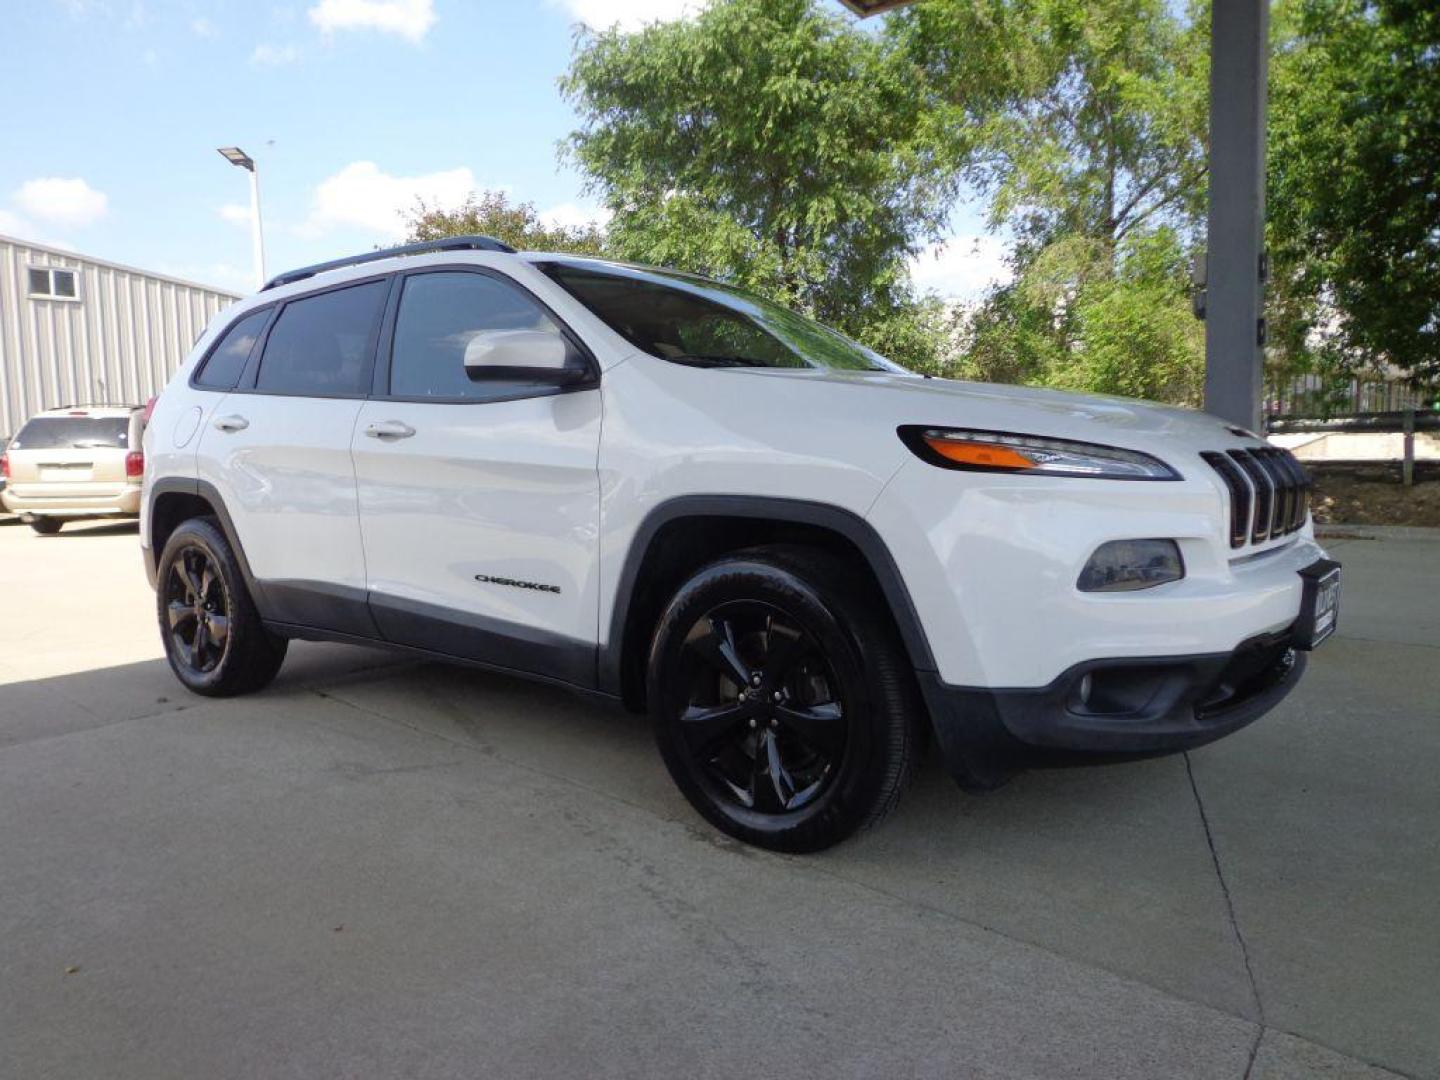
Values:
[(226, 361)]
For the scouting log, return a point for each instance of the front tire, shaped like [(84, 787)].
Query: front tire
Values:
[(213, 636), (46, 526), (781, 698)]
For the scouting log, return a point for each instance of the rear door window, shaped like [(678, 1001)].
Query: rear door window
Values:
[(73, 433), (321, 346), (227, 360)]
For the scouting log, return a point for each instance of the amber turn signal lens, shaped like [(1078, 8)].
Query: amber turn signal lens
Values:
[(977, 453)]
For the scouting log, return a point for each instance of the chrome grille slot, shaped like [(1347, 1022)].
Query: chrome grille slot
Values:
[(1269, 492), (1264, 494), (1284, 490), (1239, 490)]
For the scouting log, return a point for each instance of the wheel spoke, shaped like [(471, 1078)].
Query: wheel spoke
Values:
[(710, 728), (178, 613), (784, 644), (202, 641), (713, 640), (189, 575), (219, 630), (821, 727), (773, 787)]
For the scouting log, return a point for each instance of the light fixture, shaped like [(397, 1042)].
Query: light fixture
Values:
[(1008, 452), (236, 156)]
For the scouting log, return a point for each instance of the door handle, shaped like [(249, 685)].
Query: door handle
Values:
[(232, 423), (389, 429)]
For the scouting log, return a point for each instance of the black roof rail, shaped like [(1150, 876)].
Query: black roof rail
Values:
[(448, 243)]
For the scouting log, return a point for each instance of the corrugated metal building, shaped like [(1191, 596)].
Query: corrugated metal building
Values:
[(75, 330)]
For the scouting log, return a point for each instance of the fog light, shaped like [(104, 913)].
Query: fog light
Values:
[(1127, 565)]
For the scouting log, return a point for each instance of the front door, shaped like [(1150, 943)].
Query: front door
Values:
[(479, 501)]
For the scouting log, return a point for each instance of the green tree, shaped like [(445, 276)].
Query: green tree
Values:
[(1354, 164), (1083, 125), (490, 213), (1073, 118), (771, 144)]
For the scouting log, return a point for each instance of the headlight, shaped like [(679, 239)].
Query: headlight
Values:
[(999, 451), (1127, 565)]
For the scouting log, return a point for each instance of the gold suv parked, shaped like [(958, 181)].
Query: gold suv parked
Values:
[(83, 461)]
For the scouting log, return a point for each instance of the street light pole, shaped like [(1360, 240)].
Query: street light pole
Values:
[(236, 156), (257, 229)]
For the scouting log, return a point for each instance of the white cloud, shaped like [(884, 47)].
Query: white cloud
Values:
[(203, 27), (962, 267), (12, 224), (267, 55), (629, 14), (235, 213), (61, 201), (362, 196), (411, 19), (571, 215)]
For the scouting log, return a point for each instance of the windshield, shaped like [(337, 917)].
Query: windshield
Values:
[(73, 432), (703, 323)]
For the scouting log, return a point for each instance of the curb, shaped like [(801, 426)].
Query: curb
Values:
[(1340, 531)]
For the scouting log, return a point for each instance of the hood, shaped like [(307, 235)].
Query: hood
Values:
[(1126, 422)]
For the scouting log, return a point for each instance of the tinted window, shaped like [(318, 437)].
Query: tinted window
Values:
[(62, 282), (227, 359), (73, 432), (39, 282), (319, 345), (440, 314), (691, 320)]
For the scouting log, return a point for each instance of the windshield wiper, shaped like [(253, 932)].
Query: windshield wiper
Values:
[(716, 361)]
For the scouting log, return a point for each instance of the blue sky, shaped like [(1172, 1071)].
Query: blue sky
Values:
[(351, 108)]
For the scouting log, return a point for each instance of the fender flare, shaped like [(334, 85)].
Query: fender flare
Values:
[(180, 485), (845, 523)]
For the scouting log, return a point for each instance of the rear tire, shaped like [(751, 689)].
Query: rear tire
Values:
[(213, 636), (783, 703), (46, 526)]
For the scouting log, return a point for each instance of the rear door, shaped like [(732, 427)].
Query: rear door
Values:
[(277, 448), (479, 501)]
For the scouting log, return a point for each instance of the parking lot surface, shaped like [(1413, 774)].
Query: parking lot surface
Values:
[(382, 868)]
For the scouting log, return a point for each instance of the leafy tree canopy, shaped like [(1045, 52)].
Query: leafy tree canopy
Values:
[(1083, 124), (1354, 200), (490, 213), (769, 143)]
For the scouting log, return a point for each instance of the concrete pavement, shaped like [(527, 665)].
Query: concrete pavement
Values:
[(384, 868)]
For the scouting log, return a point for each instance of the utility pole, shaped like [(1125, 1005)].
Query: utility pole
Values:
[(1234, 266)]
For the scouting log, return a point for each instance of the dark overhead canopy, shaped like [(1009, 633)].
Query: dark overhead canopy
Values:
[(873, 7)]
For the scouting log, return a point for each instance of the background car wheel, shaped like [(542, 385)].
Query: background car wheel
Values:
[(213, 636), (46, 526), (782, 700)]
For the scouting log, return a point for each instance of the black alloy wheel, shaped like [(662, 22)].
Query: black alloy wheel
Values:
[(198, 610), (215, 640), (782, 699), (764, 721)]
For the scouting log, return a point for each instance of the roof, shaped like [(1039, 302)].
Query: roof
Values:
[(90, 260)]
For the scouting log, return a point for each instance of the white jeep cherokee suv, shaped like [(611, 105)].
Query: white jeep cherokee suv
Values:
[(798, 557)]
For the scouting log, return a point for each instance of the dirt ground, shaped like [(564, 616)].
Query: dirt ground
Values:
[(1351, 500)]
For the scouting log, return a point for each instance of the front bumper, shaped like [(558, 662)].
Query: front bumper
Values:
[(1108, 710)]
